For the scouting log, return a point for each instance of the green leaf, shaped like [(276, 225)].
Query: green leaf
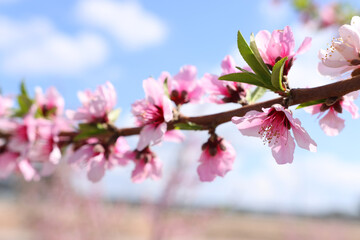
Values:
[(277, 74), (256, 52), (88, 130), (114, 114), (39, 113), (166, 88), (51, 112), (242, 69), (245, 77), (256, 94), (301, 4), (47, 114), (188, 126), (250, 58), (307, 104), (24, 102), (24, 106), (23, 90)]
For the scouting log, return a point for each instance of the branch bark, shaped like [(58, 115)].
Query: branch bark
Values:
[(297, 96)]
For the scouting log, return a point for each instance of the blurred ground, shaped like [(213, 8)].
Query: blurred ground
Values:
[(22, 220)]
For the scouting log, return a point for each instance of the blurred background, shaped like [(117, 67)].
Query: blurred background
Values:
[(79, 44)]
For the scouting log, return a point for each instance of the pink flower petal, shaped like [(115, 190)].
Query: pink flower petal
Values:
[(187, 74), (331, 124), (82, 155), (305, 46), (7, 164), (250, 124), (228, 65), (349, 105), (27, 170), (206, 173), (174, 136), (151, 135), (283, 151), (167, 109), (151, 169), (302, 138), (262, 40), (286, 38), (314, 109), (153, 91), (97, 170), (349, 35), (218, 165)]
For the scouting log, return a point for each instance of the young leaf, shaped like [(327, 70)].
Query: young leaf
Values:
[(245, 77), (248, 55), (24, 102), (256, 94), (242, 69), (277, 74), (188, 126), (301, 4), (39, 113), (23, 90), (307, 104), (88, 130), (166, 88), (114, 114), (256, 52)]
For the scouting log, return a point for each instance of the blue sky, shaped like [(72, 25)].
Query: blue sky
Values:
[(80, 44)]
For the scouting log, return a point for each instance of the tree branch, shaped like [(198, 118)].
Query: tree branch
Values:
[(296, 96)]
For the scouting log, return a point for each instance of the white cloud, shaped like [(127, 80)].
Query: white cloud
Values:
[(37, 47), (131, 25), (315, 184)]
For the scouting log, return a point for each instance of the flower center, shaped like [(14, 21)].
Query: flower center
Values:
[(275, 125), (152, 114), (332, 103), (179, 98), (144, 155), (235, 94), (213, 145), (330, 50)]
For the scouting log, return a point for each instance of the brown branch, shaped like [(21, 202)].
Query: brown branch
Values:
[(297, 96)]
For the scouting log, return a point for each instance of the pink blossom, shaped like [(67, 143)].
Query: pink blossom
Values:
[(273, 125), (36, 141), (184, 87), (95, 105), (8, 163), (7, 124), (279, 44), (147, 165), (216, 159), (343, 54), (11, 162), (174, 136), (6, 103), (330, 122), (51, 103), (97, 157), (152, 113), (328, 15), (225, 91)]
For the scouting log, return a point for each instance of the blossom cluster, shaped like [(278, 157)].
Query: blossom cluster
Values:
[(36, 136)]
